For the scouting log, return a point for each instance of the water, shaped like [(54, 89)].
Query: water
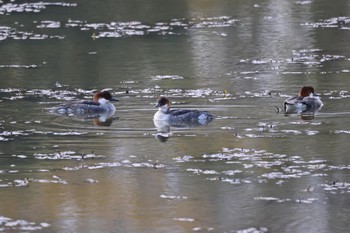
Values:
[(250, 170)]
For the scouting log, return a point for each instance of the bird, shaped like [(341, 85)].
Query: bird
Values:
[(179, 117), (101, 104), (306, 101)]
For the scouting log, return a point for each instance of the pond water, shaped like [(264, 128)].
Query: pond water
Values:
[(249, 170)]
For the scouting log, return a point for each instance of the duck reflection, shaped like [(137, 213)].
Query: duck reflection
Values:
[(164, 128), (103, 119)]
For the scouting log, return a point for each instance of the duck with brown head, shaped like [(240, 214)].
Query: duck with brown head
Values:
[(306, 101), (101, 103)]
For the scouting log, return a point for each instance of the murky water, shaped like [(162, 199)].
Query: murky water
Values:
[(249, 170)]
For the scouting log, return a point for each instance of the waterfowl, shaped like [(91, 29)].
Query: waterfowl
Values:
[(100, 104), (306, 101), (179, 116)]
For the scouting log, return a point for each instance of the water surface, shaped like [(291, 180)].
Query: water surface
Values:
[(250, 170)]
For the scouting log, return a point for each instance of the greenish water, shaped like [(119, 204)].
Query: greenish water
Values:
[(249, 170)]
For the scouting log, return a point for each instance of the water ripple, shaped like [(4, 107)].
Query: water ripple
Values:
[(136, 28), (35, 7), (106, 30), (341, 22), (9, 224), (248, 166)]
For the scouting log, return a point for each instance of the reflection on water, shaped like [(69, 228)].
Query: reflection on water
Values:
[(249, 170)]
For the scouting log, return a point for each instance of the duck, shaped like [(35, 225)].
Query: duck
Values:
[(179, 117), (100, 104), (307, 101)]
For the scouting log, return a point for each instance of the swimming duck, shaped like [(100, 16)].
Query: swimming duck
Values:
[(101, 104), (181, 117), (306, 101)]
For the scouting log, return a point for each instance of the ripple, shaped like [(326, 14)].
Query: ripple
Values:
[(303, 2), (35, 7), (336, 187), (335, 22), (13, 33), (125, 164), (194, 93), (282, 200), (341, 131), (275, 199), (162, 77), (254, 230), (136, 28), (173, 197), (246, 166), (9, 224), (64, 155), (11, 135), (184, 219), (26, 182), (32, 66), (49, 24), (309, 57)]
